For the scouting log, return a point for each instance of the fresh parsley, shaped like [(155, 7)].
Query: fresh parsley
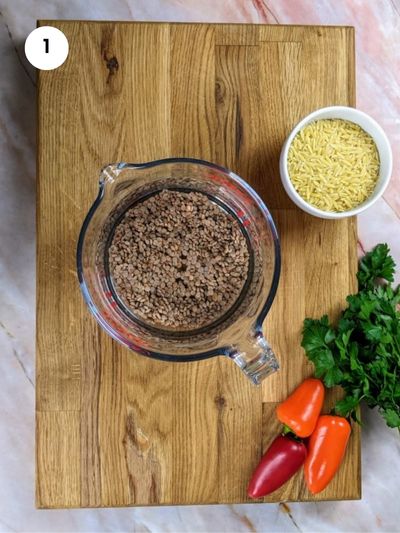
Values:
[(362, 351)]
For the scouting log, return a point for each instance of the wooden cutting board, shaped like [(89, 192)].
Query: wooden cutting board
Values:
[(114, 428)]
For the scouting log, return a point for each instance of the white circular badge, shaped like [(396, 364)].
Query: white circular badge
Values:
[(46, 48)]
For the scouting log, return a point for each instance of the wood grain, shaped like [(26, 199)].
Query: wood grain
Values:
[(58, 458), (114, 428), (236, 99)]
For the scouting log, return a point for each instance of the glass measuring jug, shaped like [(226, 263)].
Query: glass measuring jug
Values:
[(238, 333)]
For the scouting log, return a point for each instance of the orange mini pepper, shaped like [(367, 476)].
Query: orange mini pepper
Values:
[(302, 408), (326, 449)]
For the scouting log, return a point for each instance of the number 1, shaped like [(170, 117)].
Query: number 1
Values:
[(46, 45)]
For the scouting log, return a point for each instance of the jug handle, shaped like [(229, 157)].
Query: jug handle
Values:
[(255, 357)]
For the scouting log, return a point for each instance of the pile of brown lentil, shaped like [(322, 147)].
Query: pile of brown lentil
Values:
[(178, 260)]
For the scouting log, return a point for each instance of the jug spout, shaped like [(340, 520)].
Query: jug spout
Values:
[(115, 180), (123, 178), (109, 174), (255, 357)]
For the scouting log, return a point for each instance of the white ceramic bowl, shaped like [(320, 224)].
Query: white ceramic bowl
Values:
[(370, 126)]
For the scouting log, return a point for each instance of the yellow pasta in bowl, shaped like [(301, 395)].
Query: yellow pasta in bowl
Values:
[(332, 166)]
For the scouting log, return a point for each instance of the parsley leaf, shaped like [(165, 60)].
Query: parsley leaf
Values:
[(392, 418), (346, 406), (333, 377), (362, 353), (374, 265)]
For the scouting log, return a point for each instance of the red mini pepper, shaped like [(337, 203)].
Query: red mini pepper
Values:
[(300, 411), (278, 464), (326, 449)]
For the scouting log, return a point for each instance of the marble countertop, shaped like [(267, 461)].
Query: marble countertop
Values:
[(377, 25)]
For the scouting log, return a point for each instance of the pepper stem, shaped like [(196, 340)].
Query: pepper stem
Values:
[(287, 432)]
